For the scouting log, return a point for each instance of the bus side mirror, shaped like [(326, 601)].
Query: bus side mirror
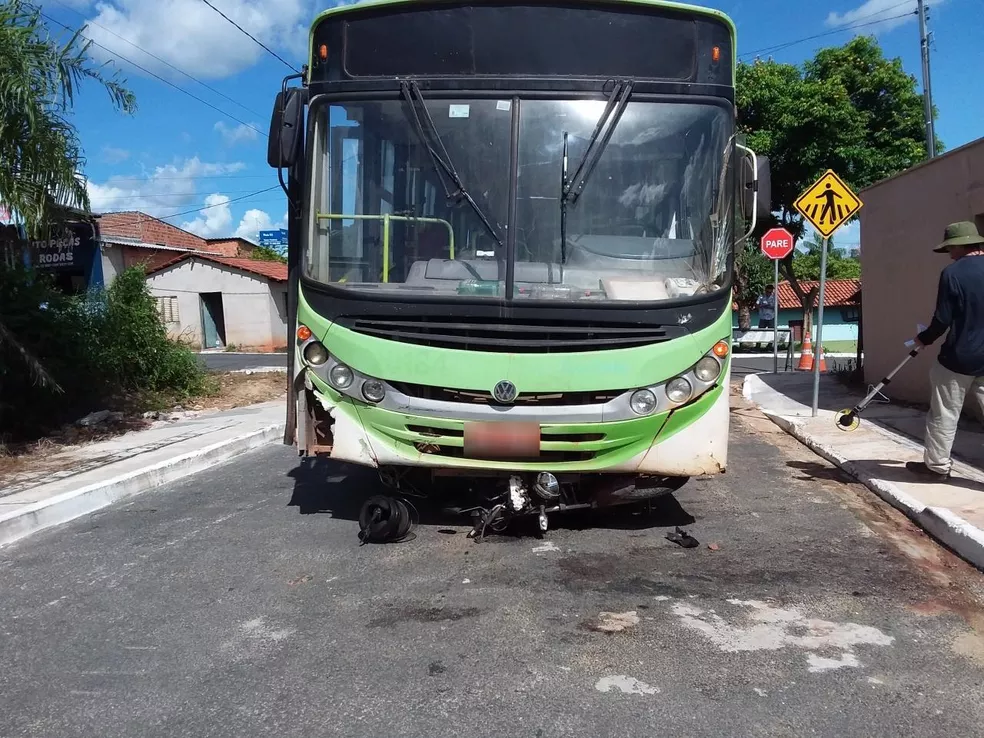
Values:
[(286, 127), (752, 171)]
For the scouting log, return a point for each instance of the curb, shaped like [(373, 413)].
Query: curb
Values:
[(258, 370), (951, 530), (67, 506)]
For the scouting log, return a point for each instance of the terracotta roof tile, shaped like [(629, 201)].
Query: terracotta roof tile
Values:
[(837, 293), (273, 270)]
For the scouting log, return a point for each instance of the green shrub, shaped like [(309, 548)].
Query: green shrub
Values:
[(104, 349)]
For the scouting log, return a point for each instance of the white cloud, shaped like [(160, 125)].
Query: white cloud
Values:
[(233, 135), (882, 12), (213, 222), (193, 37), (166, 190), (216, 221), (113, 155), (254, 221)]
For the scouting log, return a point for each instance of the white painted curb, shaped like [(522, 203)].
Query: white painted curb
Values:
[(949, 529), (67, 506)]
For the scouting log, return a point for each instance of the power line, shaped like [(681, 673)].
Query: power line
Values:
[(255, 40), (156, 195), (220, 204), (780, 47), (162, 61), (113, 179), (156, 76)]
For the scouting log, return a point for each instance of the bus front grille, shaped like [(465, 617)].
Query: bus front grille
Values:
[(480, 397), (494, 334)]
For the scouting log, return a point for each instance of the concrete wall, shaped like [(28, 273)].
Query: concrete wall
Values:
[(112, 262), (902, 221), (278, 323), (252, 319)]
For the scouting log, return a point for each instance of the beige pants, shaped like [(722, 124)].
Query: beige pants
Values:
[(947, 394)]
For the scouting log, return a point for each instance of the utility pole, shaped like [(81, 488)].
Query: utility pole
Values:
[(927, 83)]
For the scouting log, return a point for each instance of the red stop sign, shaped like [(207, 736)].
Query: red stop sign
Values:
[(777, 243)]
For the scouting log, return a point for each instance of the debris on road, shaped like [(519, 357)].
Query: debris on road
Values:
[(682, 538), (614, 622), (624, 684)]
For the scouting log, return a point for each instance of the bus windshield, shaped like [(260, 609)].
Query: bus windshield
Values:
[(654, 220)]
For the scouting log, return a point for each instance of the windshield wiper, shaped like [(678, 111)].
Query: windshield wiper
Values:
[(617, 103), (411, 91), (571, 188)]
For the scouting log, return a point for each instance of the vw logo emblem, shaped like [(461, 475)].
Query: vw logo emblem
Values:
[(504, 392)]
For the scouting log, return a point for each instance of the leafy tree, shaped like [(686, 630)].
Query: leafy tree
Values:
[(752, 273), (848, 109), (265, 253), (40, 153), (806, 264)]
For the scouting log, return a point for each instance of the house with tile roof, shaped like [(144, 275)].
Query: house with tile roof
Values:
[(213, 302), (130, 238), (841, 310)]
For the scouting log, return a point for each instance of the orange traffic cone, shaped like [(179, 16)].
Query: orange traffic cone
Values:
[(823, 360), (806, 354)]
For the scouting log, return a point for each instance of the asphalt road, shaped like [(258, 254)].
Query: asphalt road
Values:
[(229, 362), (235, 604)]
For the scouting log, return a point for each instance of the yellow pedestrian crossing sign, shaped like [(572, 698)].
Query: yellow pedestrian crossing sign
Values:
[(828, 203)]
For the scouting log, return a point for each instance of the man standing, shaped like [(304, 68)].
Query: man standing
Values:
[(766, 306), (960, 368)]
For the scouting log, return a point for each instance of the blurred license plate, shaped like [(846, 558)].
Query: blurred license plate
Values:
[(502, 440)]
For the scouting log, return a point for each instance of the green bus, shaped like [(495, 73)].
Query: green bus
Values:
[(511, 241)]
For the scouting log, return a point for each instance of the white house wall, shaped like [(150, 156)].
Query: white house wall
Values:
[(248, 307), (112, 262)]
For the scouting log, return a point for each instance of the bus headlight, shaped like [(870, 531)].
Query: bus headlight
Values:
[(373, 390), (707, 369), (315, 354), (642, 402), (678, 390), (340, 376)]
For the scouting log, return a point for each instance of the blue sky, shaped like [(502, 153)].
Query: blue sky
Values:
[(177, 155)]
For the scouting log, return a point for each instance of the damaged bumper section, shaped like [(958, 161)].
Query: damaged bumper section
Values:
[(684, 441)]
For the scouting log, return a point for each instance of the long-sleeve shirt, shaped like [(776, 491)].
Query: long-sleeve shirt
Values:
[(766, 307), (960, 314)]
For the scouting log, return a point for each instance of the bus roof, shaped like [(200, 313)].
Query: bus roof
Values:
[(668, 4)]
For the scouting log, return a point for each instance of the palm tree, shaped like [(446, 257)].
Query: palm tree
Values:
[(40, 153)]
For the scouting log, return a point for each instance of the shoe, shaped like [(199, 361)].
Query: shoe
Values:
[(918, 467)]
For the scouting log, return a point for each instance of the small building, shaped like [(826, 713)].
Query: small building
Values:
[(216, 302), (130, 238), (901, 223), (841, 309)]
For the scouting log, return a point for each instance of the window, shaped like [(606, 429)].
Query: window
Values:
[(167, 308)]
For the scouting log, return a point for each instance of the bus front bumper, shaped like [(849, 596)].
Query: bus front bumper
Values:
[(687, 441)]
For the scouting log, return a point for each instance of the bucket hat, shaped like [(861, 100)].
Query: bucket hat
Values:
[(962, 233)]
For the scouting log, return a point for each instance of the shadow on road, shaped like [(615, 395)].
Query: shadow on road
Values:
[(326, 486)]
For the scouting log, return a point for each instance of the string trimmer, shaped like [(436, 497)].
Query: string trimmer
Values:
[(849, 420)]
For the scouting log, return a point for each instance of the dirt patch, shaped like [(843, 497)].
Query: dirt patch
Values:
[(237, 389), (229, 390)]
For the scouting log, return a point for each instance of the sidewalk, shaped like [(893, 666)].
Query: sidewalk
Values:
[(875, 453), (94, 475)]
